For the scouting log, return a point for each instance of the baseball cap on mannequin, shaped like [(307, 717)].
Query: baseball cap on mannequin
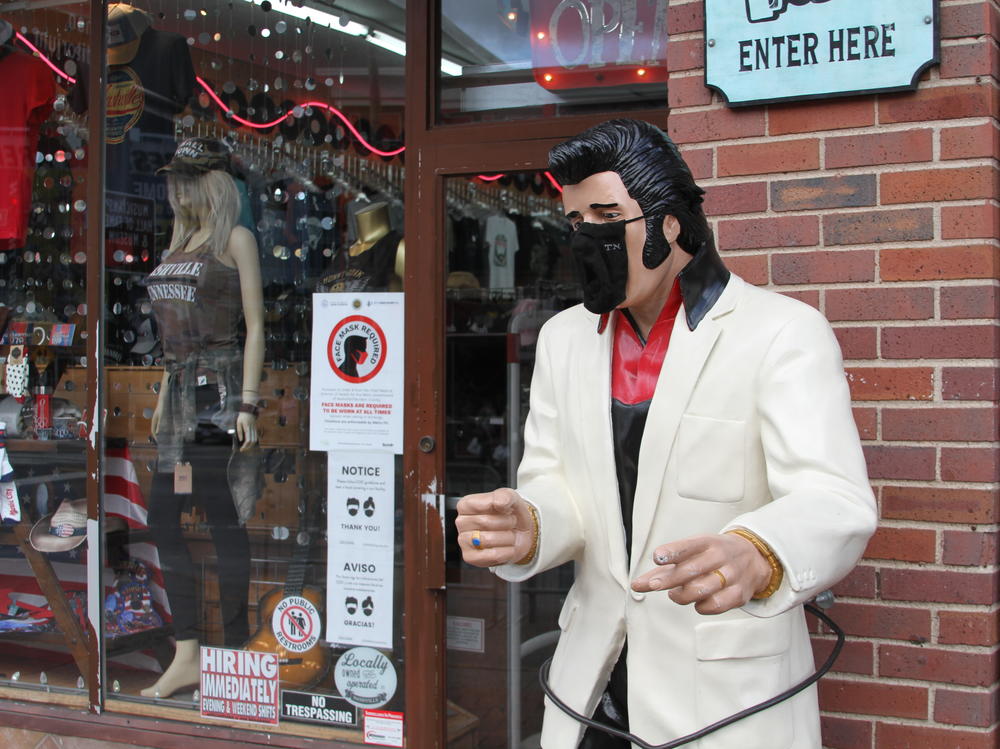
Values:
[(196, 156)]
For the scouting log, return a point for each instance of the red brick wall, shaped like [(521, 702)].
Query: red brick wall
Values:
[(882, 212)]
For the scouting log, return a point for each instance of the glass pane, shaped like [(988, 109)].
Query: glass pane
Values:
[(510, 59), (281, 127), (43, 318), (509, 270)]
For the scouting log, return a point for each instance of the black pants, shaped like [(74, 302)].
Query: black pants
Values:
[(612, 710), (232, 545)]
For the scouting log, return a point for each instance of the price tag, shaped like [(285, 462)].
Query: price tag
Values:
[(183, 478)]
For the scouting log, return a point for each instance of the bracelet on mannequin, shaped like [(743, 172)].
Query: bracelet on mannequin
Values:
[(249, 408), (534, 539)]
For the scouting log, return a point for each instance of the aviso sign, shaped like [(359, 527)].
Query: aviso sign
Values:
[(770, 50)]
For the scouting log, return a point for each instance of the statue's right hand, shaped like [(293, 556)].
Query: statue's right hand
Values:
[(502, 524), (154, 422)]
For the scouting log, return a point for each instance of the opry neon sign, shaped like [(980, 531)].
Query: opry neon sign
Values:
[(585, 43)]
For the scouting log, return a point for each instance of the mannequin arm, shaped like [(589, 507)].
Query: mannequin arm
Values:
[(400, 267), (154, 424), (243, 251)]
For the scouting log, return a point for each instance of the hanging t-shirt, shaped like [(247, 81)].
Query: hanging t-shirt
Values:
[(29, 91), (501, 237), (142, 98)]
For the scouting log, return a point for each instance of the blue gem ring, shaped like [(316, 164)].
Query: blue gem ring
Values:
[(477, 541)]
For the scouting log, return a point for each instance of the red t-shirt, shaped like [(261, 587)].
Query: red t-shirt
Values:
[(29, 91)]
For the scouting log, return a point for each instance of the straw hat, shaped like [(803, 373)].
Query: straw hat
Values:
[(66, 528)]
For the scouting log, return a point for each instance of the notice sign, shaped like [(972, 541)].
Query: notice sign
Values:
[(356, 397), (768, 50), (239, 685), (360, 517)]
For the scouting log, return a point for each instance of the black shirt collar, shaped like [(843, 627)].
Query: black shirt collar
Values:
[(702, 282)]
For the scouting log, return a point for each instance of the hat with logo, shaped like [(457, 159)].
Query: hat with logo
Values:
[(66, 528), (197, 156), (126, 26)]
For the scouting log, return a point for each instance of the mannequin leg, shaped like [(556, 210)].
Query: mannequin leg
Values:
[(179, 582), (232, 549), (184, 671)]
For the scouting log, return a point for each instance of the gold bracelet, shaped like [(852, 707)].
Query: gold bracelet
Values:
[(534, 539), (777, 571)]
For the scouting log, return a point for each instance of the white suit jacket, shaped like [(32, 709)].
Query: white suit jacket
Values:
[(750, 426)]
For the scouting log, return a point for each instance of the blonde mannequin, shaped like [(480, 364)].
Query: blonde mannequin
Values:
[(208, 281)]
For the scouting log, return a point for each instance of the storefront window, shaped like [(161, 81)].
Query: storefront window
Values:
[(44, 153), (509, 270), (528, 58), (253, 319)]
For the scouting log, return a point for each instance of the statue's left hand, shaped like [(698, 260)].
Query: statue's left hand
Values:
[(687, 570), (246, 430)]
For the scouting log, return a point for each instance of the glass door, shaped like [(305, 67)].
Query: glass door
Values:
[(508, 271)]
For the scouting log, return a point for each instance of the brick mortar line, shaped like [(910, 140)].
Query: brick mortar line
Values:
[(913, 244), (965, 41), (927, 483), (933, 406), (933, 608), (889, 243), (939, 525), (895, 564), (967, 650), (899, 682), (936, 444), (920, 324), (873, 129), (892, 720), (861, 171), (926, 85), (852, 171)]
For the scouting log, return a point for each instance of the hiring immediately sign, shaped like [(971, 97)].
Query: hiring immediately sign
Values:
[(769, 50), (239, 685)]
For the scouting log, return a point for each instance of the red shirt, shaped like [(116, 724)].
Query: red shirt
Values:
[(24, 106), (635, 364)]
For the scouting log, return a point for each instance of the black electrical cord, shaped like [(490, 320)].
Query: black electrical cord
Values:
[(543, 678)]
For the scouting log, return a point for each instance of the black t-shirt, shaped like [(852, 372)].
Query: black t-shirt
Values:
[(143, 96)]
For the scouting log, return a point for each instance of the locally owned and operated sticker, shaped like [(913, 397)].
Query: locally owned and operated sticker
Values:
[(365, 677)]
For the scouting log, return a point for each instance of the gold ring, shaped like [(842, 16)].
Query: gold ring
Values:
[(476, 540), (721, 577)]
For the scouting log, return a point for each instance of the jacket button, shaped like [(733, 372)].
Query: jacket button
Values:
[(637, 596)]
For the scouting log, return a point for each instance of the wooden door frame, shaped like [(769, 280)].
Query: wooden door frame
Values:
[(434, 153)]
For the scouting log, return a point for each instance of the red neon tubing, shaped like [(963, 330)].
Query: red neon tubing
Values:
[(21, 38), (322, 105), (259, 126)]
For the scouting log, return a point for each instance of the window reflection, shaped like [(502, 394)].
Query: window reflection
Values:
[(43, 333), (522, 58)]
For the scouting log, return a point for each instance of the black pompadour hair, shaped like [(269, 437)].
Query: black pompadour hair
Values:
[(653, 172)]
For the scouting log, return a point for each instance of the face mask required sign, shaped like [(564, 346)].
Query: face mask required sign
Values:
[(769, 50), (356, 395)]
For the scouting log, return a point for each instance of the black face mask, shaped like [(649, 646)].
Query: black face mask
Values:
[(602, 263)]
